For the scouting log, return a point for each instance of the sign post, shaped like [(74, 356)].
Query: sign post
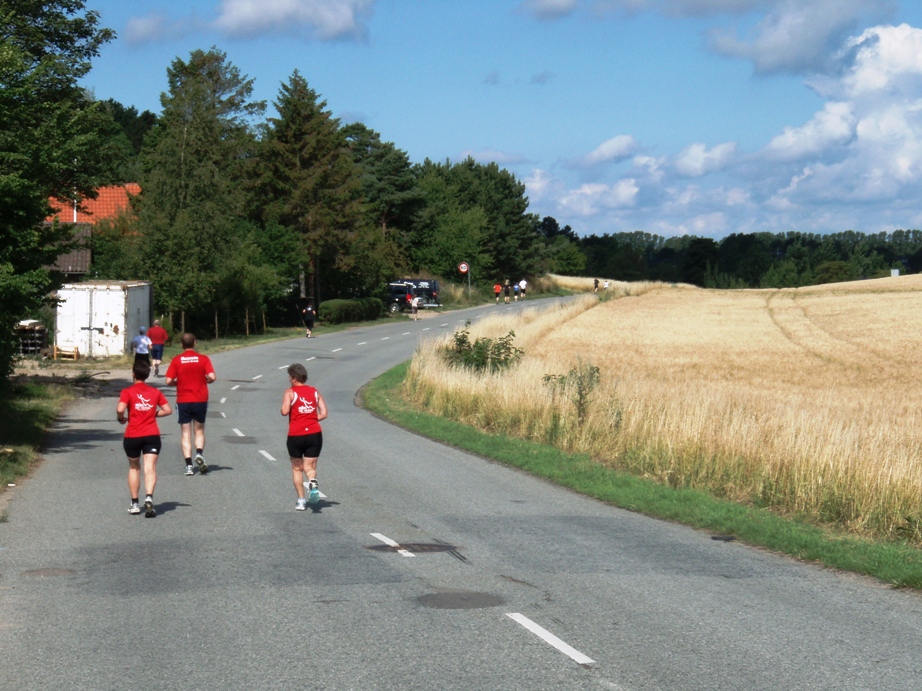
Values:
[(465, 268)]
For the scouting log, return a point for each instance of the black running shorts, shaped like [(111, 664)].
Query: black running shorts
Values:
[(192, 411), (136, 446), (305, 445)]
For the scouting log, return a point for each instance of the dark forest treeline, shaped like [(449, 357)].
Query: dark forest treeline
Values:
[(758, 260)]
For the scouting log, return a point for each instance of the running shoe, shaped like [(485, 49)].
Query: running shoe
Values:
[(149, 510), (313, 496), (134, 508), (190, 470), (200, 462), (301, 505)]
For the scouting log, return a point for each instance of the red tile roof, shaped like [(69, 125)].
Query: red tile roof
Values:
[(109, 203)]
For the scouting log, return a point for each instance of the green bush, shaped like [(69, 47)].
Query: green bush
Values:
[(341, 311), (484, 354)]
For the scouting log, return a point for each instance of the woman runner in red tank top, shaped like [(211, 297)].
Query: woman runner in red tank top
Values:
[(305, 408)]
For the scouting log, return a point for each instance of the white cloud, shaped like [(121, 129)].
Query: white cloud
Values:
[(323, 19), (541, 185), (592, 198), (797, 36), (885, 56), (696, 160), (615, 149), (831, 127)]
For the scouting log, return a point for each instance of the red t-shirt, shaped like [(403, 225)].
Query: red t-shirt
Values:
[(143, 402), (302, 418), (190, 370), (157, 335)]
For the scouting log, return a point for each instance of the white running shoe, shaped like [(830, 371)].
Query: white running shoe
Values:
[(200, 462), (190, 470), (149, 510), (301, 505), (134, 508)]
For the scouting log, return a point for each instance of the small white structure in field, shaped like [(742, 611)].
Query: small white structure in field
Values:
[(101, 317), (894, 273)]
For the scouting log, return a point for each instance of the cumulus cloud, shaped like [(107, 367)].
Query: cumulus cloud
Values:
[(797, 36), (831, 127), (611, 151), (592, 198), (697, 160), (322, 19)]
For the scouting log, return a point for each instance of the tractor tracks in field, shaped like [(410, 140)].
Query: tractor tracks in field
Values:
[(791, 319)]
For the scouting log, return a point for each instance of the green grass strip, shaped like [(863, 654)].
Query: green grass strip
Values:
[(896, 563)]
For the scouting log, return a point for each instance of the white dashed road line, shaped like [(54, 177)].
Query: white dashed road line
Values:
[(337, 350), (313, 357), (406, 333), (386, 338), (258, 376), (223, 400), (223, 415), (362, 343), (548, 637), (266, 454), (390, 543), (239, 433), (234, 388)]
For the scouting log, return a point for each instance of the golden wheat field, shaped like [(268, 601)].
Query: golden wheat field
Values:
[(805, 400)]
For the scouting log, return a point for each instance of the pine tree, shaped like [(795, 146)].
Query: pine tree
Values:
[(195, 170)]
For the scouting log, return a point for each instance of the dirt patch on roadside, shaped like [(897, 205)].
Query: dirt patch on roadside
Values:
[(88, 379)]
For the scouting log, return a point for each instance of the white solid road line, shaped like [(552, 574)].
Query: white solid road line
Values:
[(548, 637), (390, 543), (266, 454), (239, 433)]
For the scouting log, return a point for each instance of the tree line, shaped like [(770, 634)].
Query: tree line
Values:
[(758, 260)]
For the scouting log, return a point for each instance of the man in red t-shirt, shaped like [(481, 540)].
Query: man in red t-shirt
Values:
[(191, 373), (139, 406), (158, 337)]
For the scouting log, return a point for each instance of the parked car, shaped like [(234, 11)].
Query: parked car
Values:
[(425, 288)]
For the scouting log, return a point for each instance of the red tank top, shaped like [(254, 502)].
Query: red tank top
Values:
[(302, 418)]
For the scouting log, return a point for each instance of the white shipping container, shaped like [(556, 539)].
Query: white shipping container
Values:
[(101, 317)]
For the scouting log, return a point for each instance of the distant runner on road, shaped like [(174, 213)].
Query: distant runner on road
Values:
[(191, 373), (139, 406), (305, 408), (158, 338)]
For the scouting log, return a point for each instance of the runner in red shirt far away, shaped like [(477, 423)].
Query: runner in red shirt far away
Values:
[(191, 373), (139, 406), (158, 337)]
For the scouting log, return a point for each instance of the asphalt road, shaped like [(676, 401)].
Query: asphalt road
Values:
[(423, 568)]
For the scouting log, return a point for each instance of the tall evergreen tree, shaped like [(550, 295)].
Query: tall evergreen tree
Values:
[(51, 145), (195, 170), (308, 181)]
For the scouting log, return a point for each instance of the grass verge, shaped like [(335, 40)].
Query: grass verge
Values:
[(895, 563), (27, 411)]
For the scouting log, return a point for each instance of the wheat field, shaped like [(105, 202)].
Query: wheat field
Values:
[(802, 400)]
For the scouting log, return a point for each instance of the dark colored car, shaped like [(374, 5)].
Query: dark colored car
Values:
[(425, 288)]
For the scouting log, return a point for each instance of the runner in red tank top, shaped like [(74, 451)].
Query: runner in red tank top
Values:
[(139, 406), (305, 408)]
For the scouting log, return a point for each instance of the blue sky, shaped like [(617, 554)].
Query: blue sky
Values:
[(703, 117)]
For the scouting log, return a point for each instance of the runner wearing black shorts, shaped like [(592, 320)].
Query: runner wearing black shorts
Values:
[(138, 407), (305, 408)]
